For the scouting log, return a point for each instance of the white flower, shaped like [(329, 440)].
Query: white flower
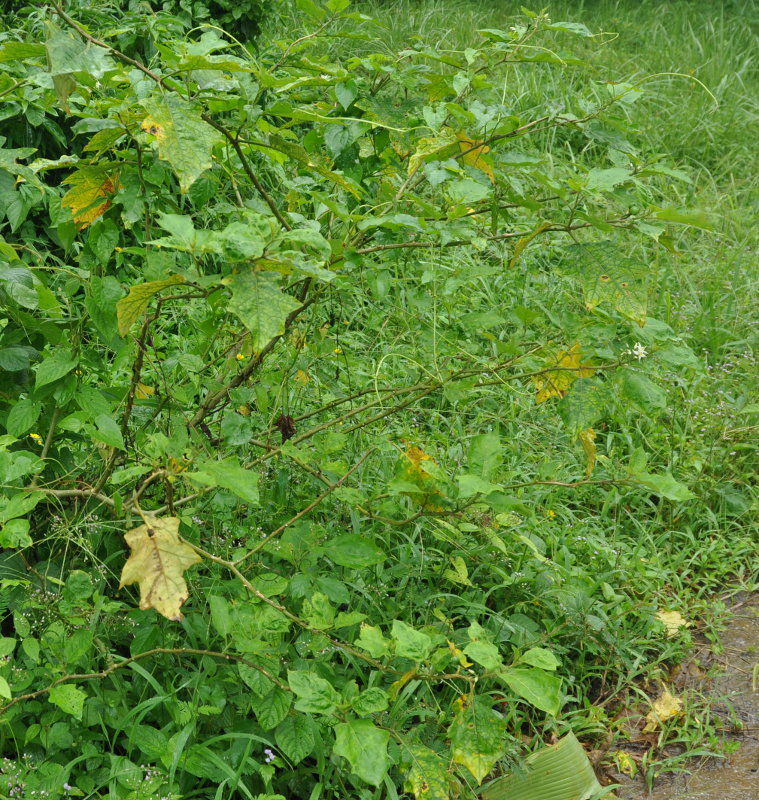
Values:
[(639, 351)]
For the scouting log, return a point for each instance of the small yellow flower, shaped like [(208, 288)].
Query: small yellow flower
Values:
[(78, 372), (35, 436), (550, 514), (118, 249), (240, 357), (337, 351)]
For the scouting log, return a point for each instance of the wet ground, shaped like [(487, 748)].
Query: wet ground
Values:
[(737, 776)]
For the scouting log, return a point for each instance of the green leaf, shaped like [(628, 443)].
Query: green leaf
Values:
[(537, 687), (22, 416), (665, 486), (540, 657), (696, 218), (272, 709), (16, 357), (643, 393), (15, 534), (314, 693), (355, 552), (130, 308), (365, 747), (484, 653), (372, 640), (485, 454), (587, 401), (607, 275), (102, 296), (477, 737), (228, 474), (67, 54), (295, 737), (318, 611), (260, 304), (604, 180), (183, 138), (370, 701), (254, 679), (108, 432), (68, 698), (57, 365), (410, 643), (5, 689)]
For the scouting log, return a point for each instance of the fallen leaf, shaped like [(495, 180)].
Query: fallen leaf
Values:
[(672, 621), (664, 707), (158, 560)]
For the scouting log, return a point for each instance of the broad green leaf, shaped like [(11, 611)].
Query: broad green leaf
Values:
[(537, 687), (665, 486), (68, 698), (22, 416), (318, 611), (108, 432), (102, 296), (477, 737), (370, 701), (67, 53), (484, 653), (272, 709), (372, 640), (57, 365), (559, 772), (313, 693), (15, 534), (643, 393), (185, 236), (587, 401), (19, 504), (254, 679), (410, 643), (228, 474), (295, 737), (696, 218), (428, 777), (130, 308), (157, 562), (354, 552), (604, 180), (260, 304), (540, 657), (5, 689), (434, 148), (485, 454), (183, 138), (16, 357), (365, 747), (609, 276)]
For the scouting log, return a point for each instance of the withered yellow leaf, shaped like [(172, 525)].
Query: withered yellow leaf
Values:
[(556, 383), (588, 441), (158, 561), (90, 194), (664, 707), (142, 391), (474, 150), (672, 621)]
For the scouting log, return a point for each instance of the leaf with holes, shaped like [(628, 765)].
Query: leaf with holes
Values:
[(610, 277), (182, 137), (158, 561)]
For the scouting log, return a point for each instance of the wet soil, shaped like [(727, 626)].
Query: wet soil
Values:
[(735, 777)]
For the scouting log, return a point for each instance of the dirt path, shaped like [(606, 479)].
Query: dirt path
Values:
[(736, 777)]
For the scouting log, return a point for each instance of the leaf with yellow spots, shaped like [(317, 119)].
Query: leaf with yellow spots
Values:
[(663, 708), (477, 737), (609, 276), (459, 655), (626, 763), (433, 148), (90, 194), (142, 391), (473, 151), (183, 138), (302, 377), (588, 441), (556, 382), (418, 476), (158, 561), (428, 778)]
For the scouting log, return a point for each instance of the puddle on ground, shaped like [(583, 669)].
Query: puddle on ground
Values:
[(737, 776)]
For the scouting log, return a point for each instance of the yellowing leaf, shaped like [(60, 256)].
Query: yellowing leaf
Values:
[(556, 383), (626, 763), (302, 377), (130, 308), (428, 777), (413, 473), (525, 240), (664, 707), (673, 621), (459, 655), (431, 148), (588, 441), (90, 194), (158, 561), (142, 391), (473, 157)]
